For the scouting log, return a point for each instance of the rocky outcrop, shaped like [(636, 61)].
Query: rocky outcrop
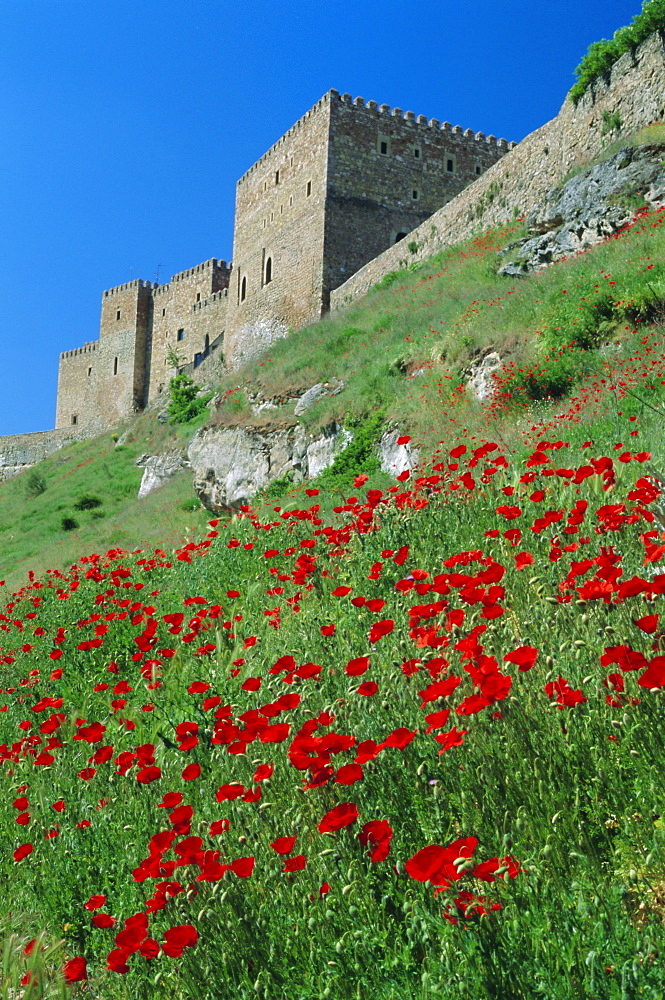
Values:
[(480, 382), (232, 464), (158, 469), (317, 392), (591, 206), (396, 458)]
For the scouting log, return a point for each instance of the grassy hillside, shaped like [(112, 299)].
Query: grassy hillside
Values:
[(371, 740)]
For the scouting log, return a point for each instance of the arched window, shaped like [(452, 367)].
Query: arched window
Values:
[(399, 236), (268, 277), (115, 366), (243, 290)]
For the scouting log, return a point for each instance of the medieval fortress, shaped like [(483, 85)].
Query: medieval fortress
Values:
[(347, 181), (353, 191)]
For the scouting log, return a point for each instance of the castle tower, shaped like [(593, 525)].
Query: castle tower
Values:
[(348, 180)]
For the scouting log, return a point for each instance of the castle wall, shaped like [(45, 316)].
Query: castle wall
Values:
[(388, 172), (279, 217), (635, 88), (193, 306), (76, 400), (20, 451)]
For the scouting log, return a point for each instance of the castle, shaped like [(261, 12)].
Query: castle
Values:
[(348, 180)]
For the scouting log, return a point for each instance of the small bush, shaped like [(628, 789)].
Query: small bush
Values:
[(69, 524), (191, 505), (612, 121), (88, 502), (388, 279), (35, 483), (185, 403)]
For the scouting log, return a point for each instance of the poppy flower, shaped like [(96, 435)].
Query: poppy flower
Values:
[(368, 689), (191, 772), (75, 970), (283, 845), (379, 629), (342, 815), (178, 938), (22, 852), (348, 774), (243, 867), (377, 834), (295, 864), (104, 920), (436, 864), (95, 902), (523, 656)]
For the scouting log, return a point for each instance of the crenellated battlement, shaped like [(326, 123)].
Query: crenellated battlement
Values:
[(208, 265), (385, 111), (88, 348), (137, 283)]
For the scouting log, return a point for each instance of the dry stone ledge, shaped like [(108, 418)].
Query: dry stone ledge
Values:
[(396, 458), (480, 383), (158, 469), (317, 392), (232, 464)]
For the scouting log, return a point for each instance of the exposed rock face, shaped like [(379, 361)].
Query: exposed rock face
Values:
[(158, 469), (231, 465), (588, 208), (331, 388), (480, 381), (396, 458)]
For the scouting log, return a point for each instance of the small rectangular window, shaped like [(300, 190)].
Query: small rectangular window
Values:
[(198, 296), (450, 166), (117, 315), (290, 201), (309, 188), (383, 148), (276, 177), (415, 194), (181, 334), (163, 312), (478, 168), (89, 372), (115, 366), (416, 152), (75, 418)]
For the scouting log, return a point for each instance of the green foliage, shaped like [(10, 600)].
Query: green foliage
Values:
[(185, 403), (69, 524), (612, 121), (388, 279), (193, 504), (359, 456), (602, 55), (88, 502), (35, 483), (413, 247), (277, 488)]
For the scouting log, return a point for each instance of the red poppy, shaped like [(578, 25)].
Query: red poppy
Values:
[(368, 689), (654, 675), (295, 864), (104, 920), (358, 666), (146, 775), (95, 902), (75, 970), (23, 851), (348, 774), (178, 938), (283, 845), (436, 864), (379, 629), (648, 624), (243, 867), (378, 834), (230, 792), (191, 772), (327, 630), (523, 559), (453, 738), (523, 656), (342, 815)]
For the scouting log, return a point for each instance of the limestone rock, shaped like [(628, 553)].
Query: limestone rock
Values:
[(232, 464), (331, 388), (158, 469), (396, 458), (480, 382)]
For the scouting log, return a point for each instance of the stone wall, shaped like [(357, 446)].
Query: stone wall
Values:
[(388, 172), (19, 451), (635, 89)]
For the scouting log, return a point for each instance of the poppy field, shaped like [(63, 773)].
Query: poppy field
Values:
[(388, 743)]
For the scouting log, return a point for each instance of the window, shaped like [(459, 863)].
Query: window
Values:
[(478, 169), (180, 335), (117, 314), (243, 290), (309, 188), (384, 148), (276, 177), (115, 366), (89, 372), (75, 418), (450, 165), (417, 153), (268, 276), (163, 312), (290, 201), (198, 296), (398, 237), (383, 145), (415, 194)]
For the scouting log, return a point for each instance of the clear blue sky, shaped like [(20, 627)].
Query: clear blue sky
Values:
[(124, 125)]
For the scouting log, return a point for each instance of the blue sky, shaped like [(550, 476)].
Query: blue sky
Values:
[(124, 125)]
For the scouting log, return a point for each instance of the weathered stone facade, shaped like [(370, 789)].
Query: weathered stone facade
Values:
[(346, 181), (351, 192)]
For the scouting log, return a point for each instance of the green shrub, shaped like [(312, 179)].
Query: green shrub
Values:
[(602, 55), (193, 504), (612, 121), (69, 524), (358, 456), (35, 483), (88, 502), (388, 279), (185, 403)]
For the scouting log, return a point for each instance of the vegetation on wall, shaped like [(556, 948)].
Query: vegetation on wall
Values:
[(602, 55)]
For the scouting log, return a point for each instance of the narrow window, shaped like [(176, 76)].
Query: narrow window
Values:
[(163, 312), (268, 277), (75, 418), (290, 201), (89, 372), (415, 194), (117, 315), (416, 152), (115, 366), (309, 188), (181, 335), (399, 236), (206, 346), (477, 168), (383, 148), (243, 290), (276, 177), (198, 296), (450, 166)]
